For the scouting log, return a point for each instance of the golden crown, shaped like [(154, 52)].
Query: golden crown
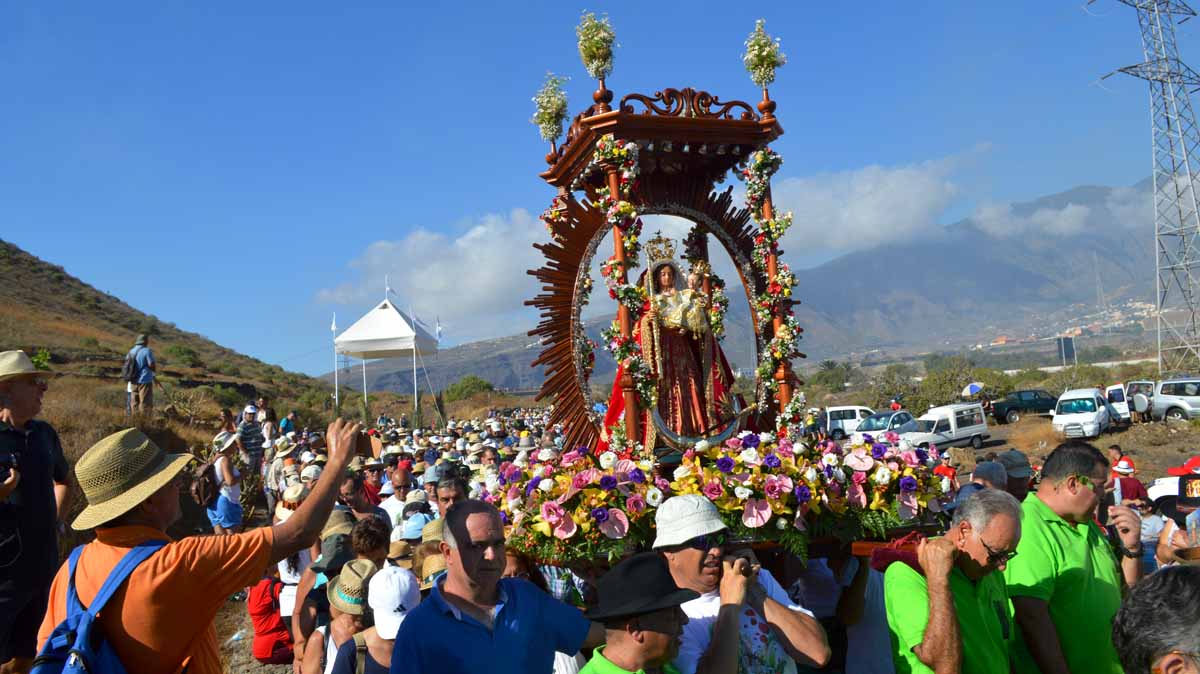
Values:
[(660, 248)]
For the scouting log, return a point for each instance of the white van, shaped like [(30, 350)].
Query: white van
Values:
[(1082, 413), (1119, 401), (841, 421), (949, 425)]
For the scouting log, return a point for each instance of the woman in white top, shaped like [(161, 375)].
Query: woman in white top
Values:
[(225, 514)]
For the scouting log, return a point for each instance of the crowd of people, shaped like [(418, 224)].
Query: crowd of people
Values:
[(378, 557)]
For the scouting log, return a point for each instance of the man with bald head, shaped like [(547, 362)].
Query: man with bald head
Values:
[(474, 620)]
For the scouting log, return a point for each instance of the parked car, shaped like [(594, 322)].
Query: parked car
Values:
[(950, 425), (841, 421), (1083, 413), (1144, 388), (1117, 398), (1176, 399), (899, 422), (1010, 408)]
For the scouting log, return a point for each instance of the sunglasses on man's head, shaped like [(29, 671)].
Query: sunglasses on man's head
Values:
[(708, 541)]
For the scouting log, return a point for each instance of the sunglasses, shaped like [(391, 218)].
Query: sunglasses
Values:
[(996, 557), (708, 541)]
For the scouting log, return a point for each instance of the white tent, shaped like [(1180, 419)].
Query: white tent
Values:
[(386, 332)]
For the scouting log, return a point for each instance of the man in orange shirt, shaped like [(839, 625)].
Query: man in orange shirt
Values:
[(161, 620)]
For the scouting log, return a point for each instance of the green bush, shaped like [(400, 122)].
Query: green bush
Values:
[(226, 396), (89, 343), (229, 369), (467, 387), (183, 355)]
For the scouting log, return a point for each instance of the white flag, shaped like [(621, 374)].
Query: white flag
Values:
[(333, 326), (438, 329)]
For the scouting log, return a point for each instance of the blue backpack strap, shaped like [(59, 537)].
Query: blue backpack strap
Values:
[(138, 554), (73, 604)]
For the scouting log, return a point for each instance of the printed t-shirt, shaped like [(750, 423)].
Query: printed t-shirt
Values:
[(759, 651), (163, 615), (528, 626), (985, 619), (270, 634), (1072, 568)]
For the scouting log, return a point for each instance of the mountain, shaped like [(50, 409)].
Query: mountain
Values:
[(86, 333), (1005, 269)]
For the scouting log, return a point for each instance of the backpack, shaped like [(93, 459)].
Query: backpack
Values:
[(360, 655), (204, 483), (77, 645), (129, 369)]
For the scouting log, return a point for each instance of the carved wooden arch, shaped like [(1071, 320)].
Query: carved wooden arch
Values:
[(580, 230)]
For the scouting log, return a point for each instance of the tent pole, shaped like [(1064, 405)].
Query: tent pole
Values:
[(335, 378), (415, 409), (364, 368)]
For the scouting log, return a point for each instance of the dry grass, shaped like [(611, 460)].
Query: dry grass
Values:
[(1034, 436)]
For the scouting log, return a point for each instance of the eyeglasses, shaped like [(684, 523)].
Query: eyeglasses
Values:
[(708, 541), (996, 557)]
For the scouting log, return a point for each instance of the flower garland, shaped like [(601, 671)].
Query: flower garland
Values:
[(550, 108), (596, 39), (586, 350), (789, 422), (761, 165), (763, 55), (554, 216), (718, 306)]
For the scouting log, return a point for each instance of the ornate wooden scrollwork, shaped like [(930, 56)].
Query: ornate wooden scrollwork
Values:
[(687, 102)]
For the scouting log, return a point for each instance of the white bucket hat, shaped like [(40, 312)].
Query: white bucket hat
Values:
[(681, 518)]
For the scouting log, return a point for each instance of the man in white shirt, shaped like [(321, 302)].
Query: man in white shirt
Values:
[(743, 622), (401, 484)]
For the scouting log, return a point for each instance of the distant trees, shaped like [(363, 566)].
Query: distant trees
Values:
[(467, 387)]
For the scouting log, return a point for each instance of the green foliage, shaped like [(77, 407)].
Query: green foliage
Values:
[(41, 359), (596, 39), (227, 396), (149, 327), (1079, 376), (894, 383), (184, 355), (834, 376), (314, 399), (763, 55), (467, 387), (89, 343), (229, 369), (550, 107)]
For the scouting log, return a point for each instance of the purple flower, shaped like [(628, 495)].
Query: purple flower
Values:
[(636, 475), (500, 479), (828, 472), (803, 493), (908, 483), (583, 450), (922, 455), (504, 518), (529, 488), (724, 464), (878, 451), (600, 515), (869, 439), (608, 483), (750, 441), (771, 461)]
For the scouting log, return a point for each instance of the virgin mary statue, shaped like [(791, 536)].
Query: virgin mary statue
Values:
[(693, 378)]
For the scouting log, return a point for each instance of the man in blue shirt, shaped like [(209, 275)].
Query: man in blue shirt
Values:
[(474, 621), (143, 384)]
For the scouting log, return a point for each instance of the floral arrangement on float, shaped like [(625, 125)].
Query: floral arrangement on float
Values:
[(763, 55), (578, 507)]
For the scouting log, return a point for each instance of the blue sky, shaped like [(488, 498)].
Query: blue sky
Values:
[(246, 169)]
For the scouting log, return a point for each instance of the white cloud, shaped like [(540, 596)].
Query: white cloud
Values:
[(474, 282), (1131, 208), (998, 220), (866, 207)]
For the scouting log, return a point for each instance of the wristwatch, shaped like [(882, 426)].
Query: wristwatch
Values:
[(1132, 554)]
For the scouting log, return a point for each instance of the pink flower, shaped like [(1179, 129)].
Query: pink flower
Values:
[(570, 457), (565, 528), (552, 512), (773, 489), (514, 492), (785, 448), (757, 513), (734, 443), (892, 437), (635, 503), (910, 459), (859, 478), (616, 526), (894, 466), (713, 490), (662, 484), (689, 455)]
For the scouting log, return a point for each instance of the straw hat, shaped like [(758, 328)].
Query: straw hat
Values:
[(294, 495), (432, 532), (121, 471), (416, 496), (16, 364), (340, 522), (223, 441), (401, 552), (283, 448), (431, 568), (348, 590)]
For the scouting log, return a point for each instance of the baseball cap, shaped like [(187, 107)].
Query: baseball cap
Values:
[(393, 592), (250, 409), (1016, 464), (414, 526), (681, 518)]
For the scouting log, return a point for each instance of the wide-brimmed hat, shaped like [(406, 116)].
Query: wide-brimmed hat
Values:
[(372, 463), (348, 590), (141, 340), (17, 364), (282, 447), (416, 496), (400, 553), (336, 550), (639, 585), (121, 471), (681, 518), (394, 591), (1125, 466), (432, 531), (340, 521), (310, 472), (1016, 464), (431, 568), (294, 495), (223, 441), (525, 442)]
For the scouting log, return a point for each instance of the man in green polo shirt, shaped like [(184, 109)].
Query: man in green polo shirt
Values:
[(956, 616), (639, 606), (1066, 582)]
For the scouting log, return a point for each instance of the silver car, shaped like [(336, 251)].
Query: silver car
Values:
[(1176, 399)]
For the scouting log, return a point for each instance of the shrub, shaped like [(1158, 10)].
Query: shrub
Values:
[(184, 355), (229, 369), (226, 396), (467, 387), (89, 343)]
